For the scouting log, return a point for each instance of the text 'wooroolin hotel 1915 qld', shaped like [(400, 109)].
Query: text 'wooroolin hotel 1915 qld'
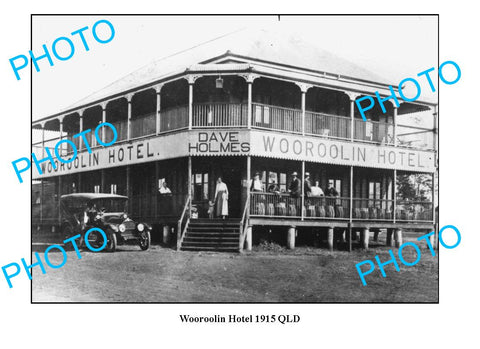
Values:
[(245, 103)]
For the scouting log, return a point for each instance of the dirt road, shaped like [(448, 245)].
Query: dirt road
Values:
[(165, 275)]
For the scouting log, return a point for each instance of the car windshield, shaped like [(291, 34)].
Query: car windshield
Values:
[(72, 207), (111, 205)]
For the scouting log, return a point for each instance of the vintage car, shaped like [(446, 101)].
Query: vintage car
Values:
[(82, 211)]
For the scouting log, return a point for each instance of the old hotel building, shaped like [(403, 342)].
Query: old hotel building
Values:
[(247, 103)]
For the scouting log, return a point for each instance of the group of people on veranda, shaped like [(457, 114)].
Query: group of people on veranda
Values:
[(219, 206), (295, 187)]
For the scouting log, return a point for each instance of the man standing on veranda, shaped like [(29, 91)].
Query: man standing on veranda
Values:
[(295, 188)]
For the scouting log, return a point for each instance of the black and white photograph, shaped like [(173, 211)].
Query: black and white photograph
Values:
[(217, 174), (249, 164)]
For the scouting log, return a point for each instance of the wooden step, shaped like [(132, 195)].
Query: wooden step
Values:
[(197, 224), (212, 235), (213, 249), (233, 244), (213, 239), (213, 228), (215, 220)]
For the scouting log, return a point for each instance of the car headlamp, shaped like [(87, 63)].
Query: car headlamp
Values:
[(122, 228), (140, 227)]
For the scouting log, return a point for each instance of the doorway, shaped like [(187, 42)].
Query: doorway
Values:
[(231, 174), (205, 172)]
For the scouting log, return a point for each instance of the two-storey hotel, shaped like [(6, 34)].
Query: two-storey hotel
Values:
[(245, 104)]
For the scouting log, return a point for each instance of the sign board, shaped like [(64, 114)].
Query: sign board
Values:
[(216, 143), (126, 153), (243, 142), (337, 152)]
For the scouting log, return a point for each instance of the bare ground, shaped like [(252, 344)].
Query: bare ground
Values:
[(305, 274)]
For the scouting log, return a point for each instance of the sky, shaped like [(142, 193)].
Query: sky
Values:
[(394, 47)]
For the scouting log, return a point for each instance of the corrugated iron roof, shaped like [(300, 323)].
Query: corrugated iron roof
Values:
[(262, 45)]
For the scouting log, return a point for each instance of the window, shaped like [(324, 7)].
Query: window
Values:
[(374, 191), (263, 178), (258, 114), (96, 189), (270, 177), (337, 184), (283, 182), (369, 131), (200, 186), (266, 115), (161, 181), (262, 114), (205, 185), (113, 188)]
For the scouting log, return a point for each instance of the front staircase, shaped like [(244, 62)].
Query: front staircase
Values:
[(212, 235)]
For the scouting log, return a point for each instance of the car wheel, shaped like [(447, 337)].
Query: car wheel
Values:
[(67, 233), (112, 242), (145, 240), (95, 239)]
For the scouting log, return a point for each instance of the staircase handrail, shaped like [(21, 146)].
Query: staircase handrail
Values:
[(243, 224), (180, 232)]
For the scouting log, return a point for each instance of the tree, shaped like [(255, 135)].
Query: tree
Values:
[(416, 187)]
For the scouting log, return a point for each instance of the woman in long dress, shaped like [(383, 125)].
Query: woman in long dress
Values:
[(221, 199)]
